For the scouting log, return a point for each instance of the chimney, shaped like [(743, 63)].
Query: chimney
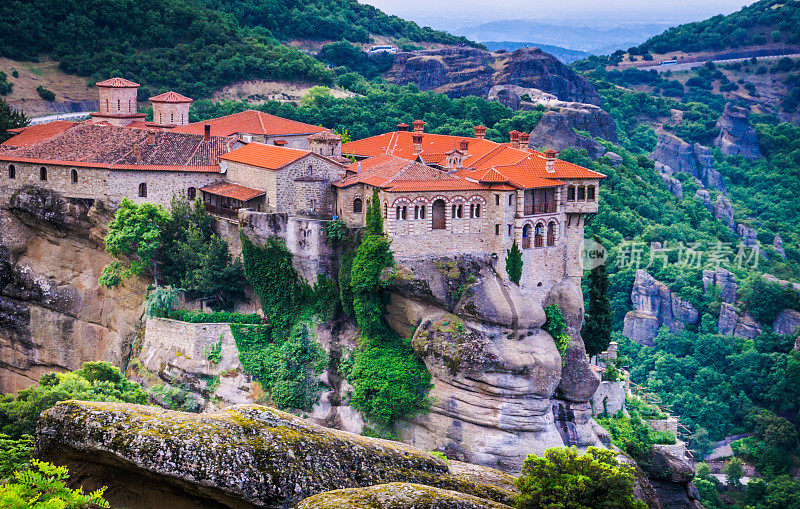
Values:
[(416, 138), (403, 127), (207, 135), (550, 157), (419, 126), (463, 145), (151, 137), (524, 139), (480, 132), (514, 138)]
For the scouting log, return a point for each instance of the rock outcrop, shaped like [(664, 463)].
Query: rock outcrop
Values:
[(655, 306), (788, 322), (53, 314), (246, 456), (723, 211), (777, 243), (397, 496), (557, 130), (681, 157), (730, 323), (500, 390), (736, 136), (723, 280), (705, 197), (464, 71), (670, 472)]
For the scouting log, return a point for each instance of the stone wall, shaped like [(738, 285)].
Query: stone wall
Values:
[(305, 239), (609, 398)]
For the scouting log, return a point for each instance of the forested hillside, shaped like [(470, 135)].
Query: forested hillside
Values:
[(195, 46)]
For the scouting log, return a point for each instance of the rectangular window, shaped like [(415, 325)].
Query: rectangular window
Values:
[(509, 230), (511, 199), (590, 193), (497, 199), (497, 229), (581, 193), (571, 193)]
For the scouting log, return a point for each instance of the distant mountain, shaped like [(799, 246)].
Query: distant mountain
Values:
[(590, 40), (565, 55)]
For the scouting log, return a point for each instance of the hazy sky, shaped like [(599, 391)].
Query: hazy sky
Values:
[(618, 10)]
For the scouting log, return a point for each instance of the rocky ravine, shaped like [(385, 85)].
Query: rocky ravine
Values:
[(53, 314), (458, 72)]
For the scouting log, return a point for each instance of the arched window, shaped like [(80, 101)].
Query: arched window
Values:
[(471, 210), (397, 213), (358, 206), (571, 193), (42, 173), (73, 176), (310, 170), (475, 210), (405, 212), (590, 193), (143, 190), (551, 233), (438, 221), (526, 236), (416, 211), (458, 211), (12, 171), (538, 236), (581, 193), (422, 211), (191, 193)]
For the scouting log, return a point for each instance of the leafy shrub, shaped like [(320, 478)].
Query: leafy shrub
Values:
[(45, 94), (215, 317), (176, 398), (213, 352), (161, 302), (556, 327), (15, 454), (44, 487), (563, 478), (337, 233), (95, 381), (634, 436)]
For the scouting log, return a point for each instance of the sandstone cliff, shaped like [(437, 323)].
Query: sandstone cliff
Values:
[(246, 456), (501, 389), (463, 71), (53, 314), (736, 136), (678, 156)]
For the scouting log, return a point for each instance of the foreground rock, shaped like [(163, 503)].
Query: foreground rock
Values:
[(463, 71), (736, 136), (246, 456), (397, 496)]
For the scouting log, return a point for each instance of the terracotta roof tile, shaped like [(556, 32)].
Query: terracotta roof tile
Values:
[(103, 146), (36, 133), (325, 136), (250, 122), (234, 191), (117, 83), (170, 97), (265, 156)]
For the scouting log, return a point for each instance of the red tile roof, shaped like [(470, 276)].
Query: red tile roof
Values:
[(170, 97), (325, 136), (111, 147), (250, 122), (117, 83), (36, 133), (481, 154), (234, 191), (395, 174), (265, 156)]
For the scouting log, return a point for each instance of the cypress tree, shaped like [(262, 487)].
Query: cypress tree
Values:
[(597, 328), (514, 263), (374, 217)]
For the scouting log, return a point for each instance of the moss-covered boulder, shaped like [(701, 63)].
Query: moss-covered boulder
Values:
[(397, 495), (245, 456)]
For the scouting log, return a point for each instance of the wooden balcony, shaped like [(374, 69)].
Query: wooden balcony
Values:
[(224, 213), (532, 209)]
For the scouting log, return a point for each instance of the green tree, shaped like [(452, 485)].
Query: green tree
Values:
[(374, 219), (10, 119), (95, 381), (514, 262), (135, 233), (44, 487), (734, 472), (597, 328), (565, 479)]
